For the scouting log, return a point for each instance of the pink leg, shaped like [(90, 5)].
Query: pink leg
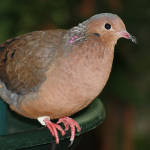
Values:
[(53, 129), (72, 123)]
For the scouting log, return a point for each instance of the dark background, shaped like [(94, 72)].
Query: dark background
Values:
[(127, 93)]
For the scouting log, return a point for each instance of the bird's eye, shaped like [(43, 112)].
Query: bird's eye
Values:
[(107, 26)]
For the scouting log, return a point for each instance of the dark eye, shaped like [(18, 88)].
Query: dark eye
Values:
[(107, 26)]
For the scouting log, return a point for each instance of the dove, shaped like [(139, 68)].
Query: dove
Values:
[(54, 74)]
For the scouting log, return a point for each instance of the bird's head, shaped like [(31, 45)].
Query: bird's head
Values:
[(109, 27)]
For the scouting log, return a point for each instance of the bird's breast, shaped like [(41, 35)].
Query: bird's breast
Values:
[(73, 83)]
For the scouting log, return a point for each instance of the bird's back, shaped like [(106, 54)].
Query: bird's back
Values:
[(25, 59)]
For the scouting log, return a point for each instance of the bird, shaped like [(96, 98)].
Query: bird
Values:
[(53, 74)]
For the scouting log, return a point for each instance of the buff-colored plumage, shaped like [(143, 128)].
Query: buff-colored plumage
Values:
[(57, 73)]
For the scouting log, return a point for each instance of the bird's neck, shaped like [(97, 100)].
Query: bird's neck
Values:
[(108, 40), (91, 46), (76, 34), (91, 50)]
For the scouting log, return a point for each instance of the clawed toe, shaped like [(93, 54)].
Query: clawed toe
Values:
[(72, 123), (53, 129)]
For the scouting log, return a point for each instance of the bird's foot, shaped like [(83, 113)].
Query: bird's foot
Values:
[(69, 122), (52, 127)]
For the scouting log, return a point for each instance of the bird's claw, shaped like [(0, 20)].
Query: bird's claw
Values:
[(72, 123), (68, 122), (53, 129)]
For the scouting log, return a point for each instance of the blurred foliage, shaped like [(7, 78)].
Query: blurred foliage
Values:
[(22, 16)]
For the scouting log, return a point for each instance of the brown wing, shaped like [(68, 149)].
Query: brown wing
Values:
[(24, 59)]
